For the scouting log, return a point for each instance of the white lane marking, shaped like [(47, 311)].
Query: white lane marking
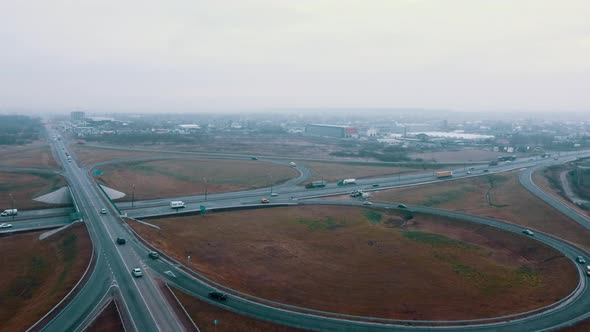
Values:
[(123, 260)]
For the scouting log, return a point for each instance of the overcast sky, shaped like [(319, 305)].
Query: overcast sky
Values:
[(193, 55)]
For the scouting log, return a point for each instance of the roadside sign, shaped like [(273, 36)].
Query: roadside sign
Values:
[(97, 172), (203, 209)]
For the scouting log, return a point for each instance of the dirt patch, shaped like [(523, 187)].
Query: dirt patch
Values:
[(497, 196), (336, 171), (24, 187), (169, 178), (36, 154), (36, 274), (359, 261), (548, 181), (203, 314), (107, 321)]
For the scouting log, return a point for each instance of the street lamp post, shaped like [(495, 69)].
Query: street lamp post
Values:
[(132, 196), (205, 181)]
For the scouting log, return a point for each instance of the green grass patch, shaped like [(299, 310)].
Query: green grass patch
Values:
[(447, 196), (527, 276), (322, 224), (435, 239), (373, 216)]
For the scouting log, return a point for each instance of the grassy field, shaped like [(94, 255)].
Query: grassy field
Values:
[(36, 274), (107, 321), (24, 187), (352, 260), (37, 154), (498, 196), (170, 178), (88, 155)]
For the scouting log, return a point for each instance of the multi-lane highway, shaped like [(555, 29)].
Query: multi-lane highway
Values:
[(144, 306), (146, 309)]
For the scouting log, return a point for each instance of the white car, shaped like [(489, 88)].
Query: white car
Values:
[(367, 203), (4, 225), (274, 195), (103, 211), (136, 272)]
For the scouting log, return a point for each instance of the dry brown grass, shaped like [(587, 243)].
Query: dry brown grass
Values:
[(89, 155), (36, 274), (343, 259), (336, 171), (509, 201), (107, 321), (168, 178), (36, 154), (24, 187)]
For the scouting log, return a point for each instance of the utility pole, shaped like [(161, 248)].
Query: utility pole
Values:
[(205, 181), (132, 196)]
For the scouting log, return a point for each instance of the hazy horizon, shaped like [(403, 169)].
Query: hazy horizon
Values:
[(229, 56)]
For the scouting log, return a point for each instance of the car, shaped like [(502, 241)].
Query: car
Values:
[(5, 225), (367, 203), (274, 195), (402, 206), (254, 158), (528, 232), (580, 260), (153, 255), (103, 211), (264, 200), (375, 184), (121, 240), (218, 296), (468, 172), (136, 272), (486, 170)]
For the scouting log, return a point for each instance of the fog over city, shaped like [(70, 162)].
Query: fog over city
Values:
[(263, 55)]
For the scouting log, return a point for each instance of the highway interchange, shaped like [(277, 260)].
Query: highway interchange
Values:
[(145, 308)]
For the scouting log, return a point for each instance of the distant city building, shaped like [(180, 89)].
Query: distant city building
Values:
[(77, 116), (326, 130)]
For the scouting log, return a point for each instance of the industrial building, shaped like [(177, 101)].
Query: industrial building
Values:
[(77, 116), (326, 130)]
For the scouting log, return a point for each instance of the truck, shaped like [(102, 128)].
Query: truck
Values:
[(443, 174), (9, 212), (345, 182), (177, 204), (315, 184)]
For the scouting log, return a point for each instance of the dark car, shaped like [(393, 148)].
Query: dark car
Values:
[(402, 206), (154, 255), (218, 296), (121, 240)]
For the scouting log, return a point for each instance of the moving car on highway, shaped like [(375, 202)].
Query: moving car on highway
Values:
[(528, 232), (218, 296), (137, 272), (580, 260), (103, 211), (5, 225)]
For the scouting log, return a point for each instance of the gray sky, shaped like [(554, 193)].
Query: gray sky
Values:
[(191, 55)]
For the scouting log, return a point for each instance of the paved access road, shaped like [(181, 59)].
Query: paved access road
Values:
[(144, 305)]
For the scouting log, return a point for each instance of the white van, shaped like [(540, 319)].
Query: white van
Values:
[(9, 212), (177, 204)]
